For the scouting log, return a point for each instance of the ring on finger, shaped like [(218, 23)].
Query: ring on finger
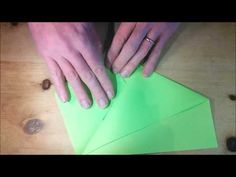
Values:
[(150, 40)]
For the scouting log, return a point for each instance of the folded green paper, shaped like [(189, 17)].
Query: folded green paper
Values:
[(148, 115)]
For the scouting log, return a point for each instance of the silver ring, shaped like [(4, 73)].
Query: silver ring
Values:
[(150, 40)]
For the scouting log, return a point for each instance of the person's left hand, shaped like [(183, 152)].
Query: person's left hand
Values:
[(133, 41)]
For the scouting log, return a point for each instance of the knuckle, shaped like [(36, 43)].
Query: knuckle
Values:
[(71, 75), (89, 77), (56, 72), (83, 36), (69, 48), (143, 25), (151, 64), (109, 57), (142, 52), (99, 70), (156, 52), (131, 46), (111, 54), (81, 30), (120, 39), (148, 69), (132, 65), (152, 61), (63, 62), (84, 39), (140, 56)]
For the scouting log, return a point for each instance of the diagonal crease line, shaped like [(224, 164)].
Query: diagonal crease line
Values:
[(104, 117), (120, 138), (192, 107), (187, 109), (121, 91)]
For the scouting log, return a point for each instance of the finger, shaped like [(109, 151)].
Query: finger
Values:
[(136, 59), (118, 41), (145, 47), (89, 78), (131, 46), (74, 79), (104, 80), (58, 79), (93, 57), (153, 58)]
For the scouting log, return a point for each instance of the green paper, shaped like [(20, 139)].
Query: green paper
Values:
[(148, 115), (82, 123), (168, 134)]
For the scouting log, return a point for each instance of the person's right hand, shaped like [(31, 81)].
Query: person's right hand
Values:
[(72, 51)]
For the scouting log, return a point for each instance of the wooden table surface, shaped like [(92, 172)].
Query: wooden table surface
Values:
[(202, 57)]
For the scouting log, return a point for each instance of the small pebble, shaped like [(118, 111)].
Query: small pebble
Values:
[(232, 97), (33, 126), (46, 84), (231, 144)]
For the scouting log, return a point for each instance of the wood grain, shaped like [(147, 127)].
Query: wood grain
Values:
[(202, 57)]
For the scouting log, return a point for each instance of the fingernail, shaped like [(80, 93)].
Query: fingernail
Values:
[(124, 73), (63, 98), (85, 103), (146, 74), (102, 103), (110, 94)]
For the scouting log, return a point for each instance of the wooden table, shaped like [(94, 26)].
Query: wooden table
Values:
[(202, 57)]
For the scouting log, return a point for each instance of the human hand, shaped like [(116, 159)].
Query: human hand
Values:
[(134, 41), (72, 51)]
